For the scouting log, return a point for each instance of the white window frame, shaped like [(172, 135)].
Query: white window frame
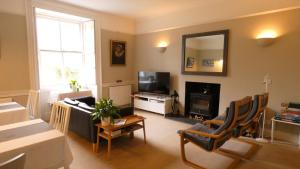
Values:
[(61, 51)]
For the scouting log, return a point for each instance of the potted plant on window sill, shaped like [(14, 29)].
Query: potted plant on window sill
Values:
[(74, 85), (105, 111)]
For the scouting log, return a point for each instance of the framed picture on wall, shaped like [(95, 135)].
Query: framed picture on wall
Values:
[(118, 52), (190, 62), (208, 62)]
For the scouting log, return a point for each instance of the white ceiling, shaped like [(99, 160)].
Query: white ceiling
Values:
[(149, 9), (139, 9), (156, 15)]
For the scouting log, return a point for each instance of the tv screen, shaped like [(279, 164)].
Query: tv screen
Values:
[(154, 82)]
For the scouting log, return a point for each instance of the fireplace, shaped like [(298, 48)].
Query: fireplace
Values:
[(202, 100)]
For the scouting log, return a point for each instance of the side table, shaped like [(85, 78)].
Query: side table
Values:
[(131, 124), (281, 121)]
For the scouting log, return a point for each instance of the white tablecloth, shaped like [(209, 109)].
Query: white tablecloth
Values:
[(12, 112), (44, 149)]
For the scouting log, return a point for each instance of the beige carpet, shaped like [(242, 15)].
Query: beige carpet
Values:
[(162, 151)]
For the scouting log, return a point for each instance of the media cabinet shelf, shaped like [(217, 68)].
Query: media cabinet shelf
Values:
[(154, 103)]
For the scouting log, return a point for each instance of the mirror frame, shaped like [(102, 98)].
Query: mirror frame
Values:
[(225, 53)]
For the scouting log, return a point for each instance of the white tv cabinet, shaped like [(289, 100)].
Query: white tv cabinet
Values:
[(154, 103)]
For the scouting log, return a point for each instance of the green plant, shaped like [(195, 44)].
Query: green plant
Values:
[(74, 85), (105, 108)]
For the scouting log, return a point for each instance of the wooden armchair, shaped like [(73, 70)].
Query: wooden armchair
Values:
[(211, 139), (250, 124)]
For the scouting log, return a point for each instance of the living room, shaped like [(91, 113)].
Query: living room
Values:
[(259, 54)]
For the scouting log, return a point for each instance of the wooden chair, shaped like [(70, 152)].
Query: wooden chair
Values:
[(32, 104), (249, 125), (5, 100), (211, 139), (60, 116), (17, 162), (263, 103)]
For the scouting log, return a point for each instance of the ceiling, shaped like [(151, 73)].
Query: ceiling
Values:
[(149, 9), (139, 9), (156, 15)]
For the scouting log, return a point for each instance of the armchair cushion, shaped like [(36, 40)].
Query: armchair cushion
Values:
[(222, 117), (205, 142)]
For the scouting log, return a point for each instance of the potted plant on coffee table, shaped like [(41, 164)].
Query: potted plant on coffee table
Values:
[(105, 111)]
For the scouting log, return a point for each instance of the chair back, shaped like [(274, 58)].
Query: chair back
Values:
[(17, 162), (5, 100), (264, 99), (254, 110), (60, 116), (237, 112), (32, 104), (260, 103)]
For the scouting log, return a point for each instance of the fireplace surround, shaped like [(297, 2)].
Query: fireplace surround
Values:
[(202, 100)]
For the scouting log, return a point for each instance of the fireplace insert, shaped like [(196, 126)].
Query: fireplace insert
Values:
[(202, 100)]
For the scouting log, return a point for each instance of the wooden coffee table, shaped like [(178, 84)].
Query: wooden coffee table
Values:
[(132, 123)]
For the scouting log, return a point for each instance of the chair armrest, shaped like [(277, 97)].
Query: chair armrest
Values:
[(216, 122), (203, 133)]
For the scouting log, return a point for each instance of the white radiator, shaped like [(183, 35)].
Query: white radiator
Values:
[(120, 94)]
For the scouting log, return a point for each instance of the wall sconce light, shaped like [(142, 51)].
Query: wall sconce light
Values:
[(266, 38), (162, 46)]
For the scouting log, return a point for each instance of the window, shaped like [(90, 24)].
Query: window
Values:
[(65, 48)]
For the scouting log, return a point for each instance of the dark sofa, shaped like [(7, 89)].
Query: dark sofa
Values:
[(81, 121)]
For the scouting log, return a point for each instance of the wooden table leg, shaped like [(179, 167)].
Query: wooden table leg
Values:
[(272, 131), (109, 145), (144, 131), (97, 143), (95, 147), (131, 135)]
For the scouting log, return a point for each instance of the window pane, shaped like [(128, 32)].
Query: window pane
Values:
[(71, 37), (72, 65), (89, 41), (48, 34), (88, 76), (90, 60), (50, 64)]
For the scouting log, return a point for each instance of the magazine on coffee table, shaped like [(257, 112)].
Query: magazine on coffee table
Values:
[(119, 122)]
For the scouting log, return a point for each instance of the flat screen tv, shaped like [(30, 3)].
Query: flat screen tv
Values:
[(154, 82)]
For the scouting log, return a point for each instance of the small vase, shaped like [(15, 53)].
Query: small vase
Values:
[(74, 88), (105, 121)]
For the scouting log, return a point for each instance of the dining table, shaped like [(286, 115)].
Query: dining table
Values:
[(12, 112), (45, 147)]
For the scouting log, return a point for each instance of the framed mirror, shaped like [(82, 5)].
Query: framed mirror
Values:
[(205, 53)]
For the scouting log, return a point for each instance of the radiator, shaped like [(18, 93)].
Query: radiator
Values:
[(120, 94)]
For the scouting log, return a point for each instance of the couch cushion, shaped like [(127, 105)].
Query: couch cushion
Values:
[(125, 110), (85, 106), (71, 102), (89, 100)]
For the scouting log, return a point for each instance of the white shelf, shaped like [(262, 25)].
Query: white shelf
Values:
[(154, 103)]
